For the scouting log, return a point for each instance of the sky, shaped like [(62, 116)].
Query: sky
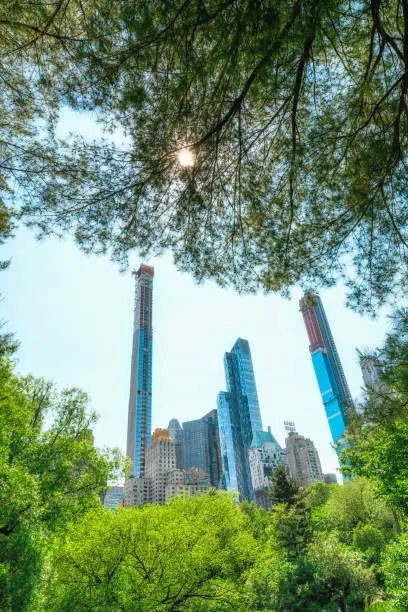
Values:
[(73, 315)]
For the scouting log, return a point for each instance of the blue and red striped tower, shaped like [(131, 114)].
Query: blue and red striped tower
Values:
[(332, 382)]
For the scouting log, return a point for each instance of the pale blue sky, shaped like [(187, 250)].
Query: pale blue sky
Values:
[(73, 316)]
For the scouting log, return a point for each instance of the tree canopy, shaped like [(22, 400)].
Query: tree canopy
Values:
[(50, 474), (291, 116), (378, 433), (326, 546)]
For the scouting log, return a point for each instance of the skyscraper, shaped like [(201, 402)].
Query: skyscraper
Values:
[(302, 457), (162, 479), (265, 455), (176, 435), (140, 396), (327, 366), (239, 419), (202, 446), (370, 369)]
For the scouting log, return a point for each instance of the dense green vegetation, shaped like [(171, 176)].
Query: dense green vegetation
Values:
[(295, 113), (50, 473), (296, 117), (326, 547)]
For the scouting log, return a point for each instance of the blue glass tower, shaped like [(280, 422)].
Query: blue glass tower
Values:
[(329, 372), (202, 446), (239, 419), (140, 396)]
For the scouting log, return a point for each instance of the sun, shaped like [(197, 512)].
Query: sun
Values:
[(186, 158)]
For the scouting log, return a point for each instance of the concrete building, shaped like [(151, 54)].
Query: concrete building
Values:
[(330, 479), (186, 482), (163, 479), (160, 460), (239, 418), (370, 369), (265, 456), (303, 458)]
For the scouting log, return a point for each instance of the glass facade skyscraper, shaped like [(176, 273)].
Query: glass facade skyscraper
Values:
[(202, 446), (239, 419), (329, 372), (140, 395), (176, 435)]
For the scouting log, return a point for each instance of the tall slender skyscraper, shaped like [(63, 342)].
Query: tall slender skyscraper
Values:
[(327, 366), (140, 396), (239, 419)]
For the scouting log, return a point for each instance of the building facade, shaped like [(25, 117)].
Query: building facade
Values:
[(176, 434), (370, 369), (329, 372), (113, 497), (239, 419), (140, 395), (186, 482), (202, 446), (265, 456), (163, 479), (303, 459)]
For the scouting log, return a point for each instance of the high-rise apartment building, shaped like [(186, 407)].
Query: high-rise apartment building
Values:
[(202, 446), (265, 456), (162, 479), (303, 458), (176, 434), (330, 376), (140, 396), (239, 419), (370, 369)]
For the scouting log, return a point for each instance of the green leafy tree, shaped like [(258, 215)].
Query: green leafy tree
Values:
[(38, 44), (378, 435), (188, 554), (395, 567), (293, 123), (342, 574), (350, 507), (50, 474), (370, 540), (258, 518)]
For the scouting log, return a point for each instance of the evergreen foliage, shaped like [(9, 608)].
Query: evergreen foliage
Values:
[(283, 488), (295, 114)]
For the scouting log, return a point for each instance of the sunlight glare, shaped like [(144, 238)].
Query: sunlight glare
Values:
[(186, 158)]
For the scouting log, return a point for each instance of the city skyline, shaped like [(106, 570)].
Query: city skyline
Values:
[(83, 310)]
